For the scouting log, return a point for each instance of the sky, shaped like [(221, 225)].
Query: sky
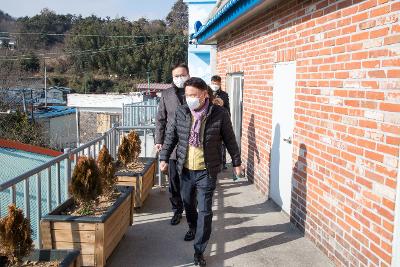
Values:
[(131, 9)]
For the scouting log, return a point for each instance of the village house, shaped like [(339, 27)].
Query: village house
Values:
[(315, 90), (96, 113), (58, 126)]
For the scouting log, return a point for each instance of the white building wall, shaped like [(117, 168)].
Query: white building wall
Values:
[(108, 103), (63, 131)]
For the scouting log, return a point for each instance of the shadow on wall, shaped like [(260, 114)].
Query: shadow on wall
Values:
[(274, 162), (252, 150), (298, 206)]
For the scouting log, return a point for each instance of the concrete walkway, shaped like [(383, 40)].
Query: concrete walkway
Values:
[(247, 231)]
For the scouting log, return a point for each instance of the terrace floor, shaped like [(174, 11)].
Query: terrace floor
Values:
[(248, 230)]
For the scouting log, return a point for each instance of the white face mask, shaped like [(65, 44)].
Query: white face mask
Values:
[(214, 87), (193, 102), (180, 81)]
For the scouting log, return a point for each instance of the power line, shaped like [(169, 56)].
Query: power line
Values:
[(82, 52), (85, 35)]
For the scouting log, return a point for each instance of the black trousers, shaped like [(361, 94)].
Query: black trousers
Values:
[(198, 185), (223, 155), (174, 188)]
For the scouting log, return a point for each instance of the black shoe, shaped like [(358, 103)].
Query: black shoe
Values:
[(199, 259), (176, 219), (190, 235)]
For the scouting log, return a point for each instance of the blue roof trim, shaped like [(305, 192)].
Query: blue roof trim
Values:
[(226, 15), (54, 111)]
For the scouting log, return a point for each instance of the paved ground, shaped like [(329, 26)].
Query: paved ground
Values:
[(247, 231)]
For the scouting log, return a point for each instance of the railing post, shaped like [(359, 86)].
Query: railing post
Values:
[(14, 194), (39, 206), (27, 198), (145, 142), (58, 183), (67, 172), (49, 189), (159, 170)]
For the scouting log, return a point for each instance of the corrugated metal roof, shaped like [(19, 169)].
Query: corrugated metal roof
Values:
[(15, 162), (227, 13), (53, 111)]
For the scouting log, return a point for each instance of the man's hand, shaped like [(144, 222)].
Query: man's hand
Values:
[(239, 170), (158, 147), (163, 166), (218, 101)]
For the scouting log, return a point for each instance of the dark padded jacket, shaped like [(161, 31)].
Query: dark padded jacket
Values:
[(169, 102), (218, 128), (225, 97)]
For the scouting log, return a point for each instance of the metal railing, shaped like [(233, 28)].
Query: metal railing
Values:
[(40, 190), (140, 114)]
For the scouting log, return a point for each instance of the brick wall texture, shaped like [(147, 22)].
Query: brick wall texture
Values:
[(347, 122)]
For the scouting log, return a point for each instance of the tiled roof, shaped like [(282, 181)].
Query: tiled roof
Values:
[(153, 86)]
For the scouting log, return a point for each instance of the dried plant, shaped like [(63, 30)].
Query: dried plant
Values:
[(107, 170), (135, 142), (129, 149), (124, 152), (15, 235), (86, 183)]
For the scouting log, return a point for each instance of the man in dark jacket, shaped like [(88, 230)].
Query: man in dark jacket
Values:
[(169, 102), (222, 99), (198, 131)]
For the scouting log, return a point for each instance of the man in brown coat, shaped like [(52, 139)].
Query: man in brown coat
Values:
[(170, 100)]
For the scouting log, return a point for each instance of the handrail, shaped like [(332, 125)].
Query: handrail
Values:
[(127, 128), (111, 139), (50, 163)]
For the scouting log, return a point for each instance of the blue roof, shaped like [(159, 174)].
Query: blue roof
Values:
[(230, 12), (54, 111), (15, 162)]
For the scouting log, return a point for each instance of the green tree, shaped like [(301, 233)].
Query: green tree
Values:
[(31, 63), (18, 127), (178, 16)]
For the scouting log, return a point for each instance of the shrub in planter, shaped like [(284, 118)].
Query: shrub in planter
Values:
[(107, 171), (86, 184), (129, 151), (135, 142), (99, 220), (16, 245), (15, 235), (139, 173)]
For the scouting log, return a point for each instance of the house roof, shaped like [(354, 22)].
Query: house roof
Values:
[(153, 86), (18, 158), (53, 111), (226, 15), (16, 162)]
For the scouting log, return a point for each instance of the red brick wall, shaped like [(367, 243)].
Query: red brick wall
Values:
[(346, 117)]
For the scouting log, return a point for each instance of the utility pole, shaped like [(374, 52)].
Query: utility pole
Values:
[(23, 100), (148, 82), (33, 119), (45, 82)]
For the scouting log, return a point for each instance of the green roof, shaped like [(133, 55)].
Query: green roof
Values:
[(15, 162)]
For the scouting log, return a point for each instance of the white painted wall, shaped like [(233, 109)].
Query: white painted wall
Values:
[(107, 103), (200, 61)]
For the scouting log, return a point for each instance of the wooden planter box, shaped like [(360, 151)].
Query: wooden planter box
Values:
[(67, 258), (95, 237), (141, 181)]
